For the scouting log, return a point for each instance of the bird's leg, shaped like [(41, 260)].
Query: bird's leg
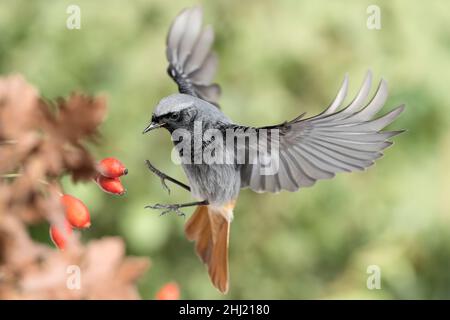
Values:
[(165, 177), (176, 207)]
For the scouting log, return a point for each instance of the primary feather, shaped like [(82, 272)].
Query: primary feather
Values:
[(333, 141), (192, 64)]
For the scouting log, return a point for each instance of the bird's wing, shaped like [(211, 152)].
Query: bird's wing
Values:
[(330, 142), (192, 64)]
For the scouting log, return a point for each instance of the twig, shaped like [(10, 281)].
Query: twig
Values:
[(8, 142), (18, 175)]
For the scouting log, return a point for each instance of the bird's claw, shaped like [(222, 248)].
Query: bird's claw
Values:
[(163, 182), (168, 208), (161, 175)]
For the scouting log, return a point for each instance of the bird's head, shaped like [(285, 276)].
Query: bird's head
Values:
[(180, 111), (173, 112)]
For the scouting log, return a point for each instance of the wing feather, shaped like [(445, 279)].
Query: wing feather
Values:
[(192, 64), (316, 148)]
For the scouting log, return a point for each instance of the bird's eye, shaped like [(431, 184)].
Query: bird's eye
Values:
[(175, 116)]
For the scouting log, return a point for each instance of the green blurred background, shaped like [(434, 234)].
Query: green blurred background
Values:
[(277, 59)]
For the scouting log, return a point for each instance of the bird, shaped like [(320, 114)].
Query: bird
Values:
[(339, 139)]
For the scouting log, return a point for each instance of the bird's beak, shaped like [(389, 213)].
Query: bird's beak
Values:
[(153, 125)]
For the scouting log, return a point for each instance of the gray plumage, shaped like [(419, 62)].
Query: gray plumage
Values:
[(217, 183), (331, 142), (310, 149), (339, 139), (191, 62)]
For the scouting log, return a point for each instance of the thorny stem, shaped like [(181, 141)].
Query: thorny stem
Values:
[(18, 175)]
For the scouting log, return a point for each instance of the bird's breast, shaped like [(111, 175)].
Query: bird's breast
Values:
[(217, 183)]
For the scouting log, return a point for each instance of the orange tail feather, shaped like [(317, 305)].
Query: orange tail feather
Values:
[(209, 228)]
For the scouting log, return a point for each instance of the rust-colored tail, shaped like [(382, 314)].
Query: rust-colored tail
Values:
[(209, 228)]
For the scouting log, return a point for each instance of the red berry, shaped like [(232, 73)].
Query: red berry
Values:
[(169, 291), (110, 185), (112, 168), (76, 212), (60, 238)]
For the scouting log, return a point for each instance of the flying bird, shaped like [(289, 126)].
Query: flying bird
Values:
[(340, 139)]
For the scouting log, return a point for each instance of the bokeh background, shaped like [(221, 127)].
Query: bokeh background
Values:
[(277, 60)]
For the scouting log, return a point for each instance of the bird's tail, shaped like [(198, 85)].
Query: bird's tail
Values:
[(209, 227)]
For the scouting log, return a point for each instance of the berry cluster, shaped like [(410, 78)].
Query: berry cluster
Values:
[(110, 170), (76, 213)]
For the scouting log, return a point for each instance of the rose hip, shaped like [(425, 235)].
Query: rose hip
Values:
[(169, 291), (112, 168), (110, 185), (60, 237), (77, 214)]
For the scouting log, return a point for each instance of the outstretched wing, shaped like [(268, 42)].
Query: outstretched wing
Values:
[(192, 64), (333, 141)]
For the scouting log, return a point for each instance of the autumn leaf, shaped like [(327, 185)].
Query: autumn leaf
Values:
[(40, 142)]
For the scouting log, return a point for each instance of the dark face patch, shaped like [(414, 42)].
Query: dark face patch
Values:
[(176, 120)]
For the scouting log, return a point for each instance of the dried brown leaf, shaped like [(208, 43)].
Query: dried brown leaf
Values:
[(79, 116)]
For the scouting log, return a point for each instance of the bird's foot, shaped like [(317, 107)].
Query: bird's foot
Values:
[(163, 183), (167, 208), (160, 174), (165, 177)]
